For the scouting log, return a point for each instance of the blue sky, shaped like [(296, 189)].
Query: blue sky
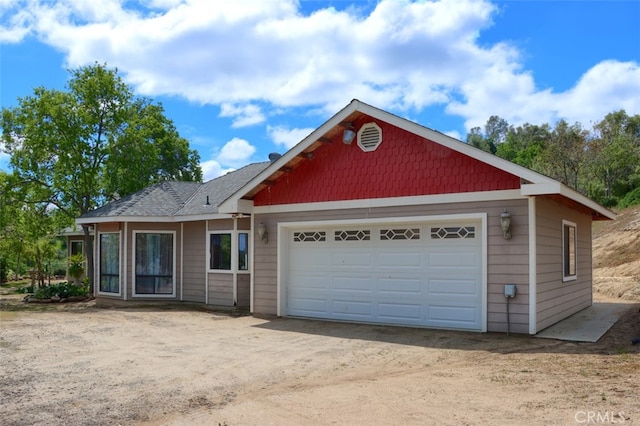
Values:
[(244, 78)]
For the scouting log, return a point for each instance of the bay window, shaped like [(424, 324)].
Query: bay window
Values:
[(154, 262), (109, 263)]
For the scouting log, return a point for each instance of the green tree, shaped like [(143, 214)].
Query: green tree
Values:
[(524, 144), (565, 155), (615, 157), (69, 146)]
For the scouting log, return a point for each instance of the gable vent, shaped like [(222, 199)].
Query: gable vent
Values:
[(369, 137)]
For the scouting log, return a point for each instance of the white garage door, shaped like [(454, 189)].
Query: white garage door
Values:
[(422, 274)]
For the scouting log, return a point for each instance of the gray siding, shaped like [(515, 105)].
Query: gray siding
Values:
[(507, 260), (220, 289), (194, 275), (244, 290), (557, 299)]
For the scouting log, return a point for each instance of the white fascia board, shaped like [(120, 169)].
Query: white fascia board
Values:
[(229, 203), (147, 219), (467, 197), (237, 206), (585, 201), (108, 219), (455, 144), (558, 188), (541, 188)]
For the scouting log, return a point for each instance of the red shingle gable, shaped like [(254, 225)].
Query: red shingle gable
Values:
[(403, 165)]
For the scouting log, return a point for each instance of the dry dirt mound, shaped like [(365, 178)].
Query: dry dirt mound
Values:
[(616, 255)]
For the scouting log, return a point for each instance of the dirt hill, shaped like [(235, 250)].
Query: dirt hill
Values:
[(616, 255)]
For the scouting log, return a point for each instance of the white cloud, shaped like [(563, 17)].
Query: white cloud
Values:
[(287, 138), (254, 56), (245, 115), (234, 154), (212, 169)]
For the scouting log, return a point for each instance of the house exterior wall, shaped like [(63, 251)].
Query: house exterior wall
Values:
[(556, 299), (507, 261), (404, 164), (220, 289), (194, 274), (220, 284)]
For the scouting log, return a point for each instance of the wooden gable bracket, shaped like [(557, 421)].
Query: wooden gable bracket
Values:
[(324, 140), (268, 182), (307, 155), (286, 169)]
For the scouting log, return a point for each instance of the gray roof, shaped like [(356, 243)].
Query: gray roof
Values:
[(172, 198)]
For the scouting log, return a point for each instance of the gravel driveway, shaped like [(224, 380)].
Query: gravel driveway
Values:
[(87, 366)]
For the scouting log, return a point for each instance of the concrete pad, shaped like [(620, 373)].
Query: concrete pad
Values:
[(588, 325)]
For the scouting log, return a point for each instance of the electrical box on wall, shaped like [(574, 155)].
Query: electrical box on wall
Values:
[(509, 290)]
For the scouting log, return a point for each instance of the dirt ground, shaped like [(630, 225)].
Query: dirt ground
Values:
[(77, 364)]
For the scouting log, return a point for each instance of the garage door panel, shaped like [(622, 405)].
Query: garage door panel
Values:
[(454, 315), (310, 282), (352, 284), (400, 287), (453, 288), (400, 260), (346, 259), (349, 309), (396, 277), (399, 312), (307, 306), (314, 259), (458, 259)]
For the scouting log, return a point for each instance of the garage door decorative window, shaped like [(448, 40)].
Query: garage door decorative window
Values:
[(451, 232), (400, 234), (353, 235), (309, 236)]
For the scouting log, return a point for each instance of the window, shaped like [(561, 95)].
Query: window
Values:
[(154, 263), (224, 254), (110, 263), (243, 251), (569, 251), (76, 247)]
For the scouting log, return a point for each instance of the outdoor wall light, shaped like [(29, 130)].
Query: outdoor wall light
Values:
[(262, 233), (349, 134), (505, 223)]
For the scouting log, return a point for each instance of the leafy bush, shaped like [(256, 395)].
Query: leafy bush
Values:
[(630, 199), (23, 290), (63, 290), (3, 269)]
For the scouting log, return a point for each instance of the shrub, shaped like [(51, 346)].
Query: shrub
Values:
[(63, 290), (630, 199)]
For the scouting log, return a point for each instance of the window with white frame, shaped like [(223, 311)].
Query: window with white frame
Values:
[(569, 251), (228, 251), (76, 247), (109, 262), (154, 260)]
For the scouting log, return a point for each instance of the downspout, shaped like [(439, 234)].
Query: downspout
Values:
[(234, 261), (206, 267), (125, 258), (251, 260), (181, 260), (533, 273)]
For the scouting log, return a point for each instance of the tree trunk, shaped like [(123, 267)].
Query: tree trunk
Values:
[(88, 243)]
